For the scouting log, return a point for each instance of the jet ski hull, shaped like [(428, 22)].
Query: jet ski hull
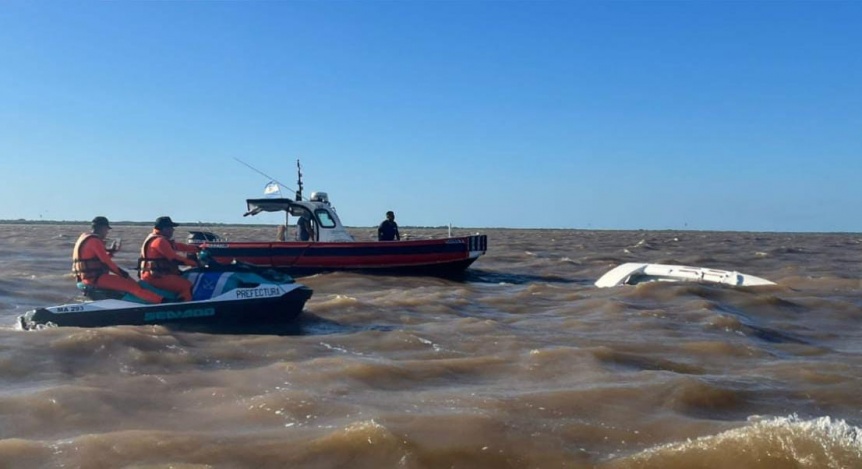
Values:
[(280, 309), (223, 296)]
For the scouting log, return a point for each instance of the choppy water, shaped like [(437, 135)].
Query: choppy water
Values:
[(524, 364)]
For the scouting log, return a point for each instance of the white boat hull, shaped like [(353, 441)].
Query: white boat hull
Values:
[(633, 273)]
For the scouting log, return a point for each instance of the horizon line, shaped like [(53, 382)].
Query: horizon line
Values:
[(23, 221)]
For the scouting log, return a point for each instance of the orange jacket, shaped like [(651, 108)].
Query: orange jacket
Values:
[(159, 255), (90, 259)]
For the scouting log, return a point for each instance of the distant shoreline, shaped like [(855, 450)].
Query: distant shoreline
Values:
[(205, 225), (122, 222)]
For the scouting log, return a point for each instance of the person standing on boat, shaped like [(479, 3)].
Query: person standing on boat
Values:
[(92, 264), (160, 259), (304, 230), (388, 229)]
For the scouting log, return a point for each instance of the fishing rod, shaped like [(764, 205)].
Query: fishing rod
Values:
[(272, 179)]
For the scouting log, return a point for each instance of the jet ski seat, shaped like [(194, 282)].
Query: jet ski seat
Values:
[(94, 293)]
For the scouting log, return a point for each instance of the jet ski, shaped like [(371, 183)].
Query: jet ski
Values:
[(222, 295)]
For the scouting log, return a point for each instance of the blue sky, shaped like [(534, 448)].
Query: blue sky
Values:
[(592, 115)]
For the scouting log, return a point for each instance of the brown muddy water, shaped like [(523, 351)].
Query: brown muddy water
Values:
[(522, 364)]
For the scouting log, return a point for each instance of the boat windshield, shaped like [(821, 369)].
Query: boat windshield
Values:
[(325, 218)]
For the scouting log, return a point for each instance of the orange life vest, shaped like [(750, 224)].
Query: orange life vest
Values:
[(156, 266), (90, 268)]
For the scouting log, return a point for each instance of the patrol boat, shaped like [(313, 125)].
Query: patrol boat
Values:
[(222, 296), (333, 248)]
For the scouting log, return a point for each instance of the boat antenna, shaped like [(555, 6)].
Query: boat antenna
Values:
[(272, 179), (299, 180)]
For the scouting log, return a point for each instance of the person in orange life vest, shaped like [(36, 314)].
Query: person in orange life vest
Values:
[(160, 259), (92, 264)]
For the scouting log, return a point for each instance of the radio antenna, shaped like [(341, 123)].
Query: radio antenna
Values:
[(299, 181)]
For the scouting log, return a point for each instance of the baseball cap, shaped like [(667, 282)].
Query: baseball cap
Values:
[(101, 221), (165, 222)]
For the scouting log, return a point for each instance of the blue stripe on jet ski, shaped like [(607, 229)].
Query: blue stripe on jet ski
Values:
[(205, 285)]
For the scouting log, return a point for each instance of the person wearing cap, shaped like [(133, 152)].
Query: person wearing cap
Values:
[(92, 264), (160, 259), (388, 229)]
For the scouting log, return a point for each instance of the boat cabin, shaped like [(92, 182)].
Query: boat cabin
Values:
[(324, 224)]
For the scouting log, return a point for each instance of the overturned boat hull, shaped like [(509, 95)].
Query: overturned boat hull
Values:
[(633, 273)]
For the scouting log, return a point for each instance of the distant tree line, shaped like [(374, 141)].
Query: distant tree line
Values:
[(22, 221)]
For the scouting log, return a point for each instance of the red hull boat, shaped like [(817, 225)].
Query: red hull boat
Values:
[(332, 248), (441, 257)]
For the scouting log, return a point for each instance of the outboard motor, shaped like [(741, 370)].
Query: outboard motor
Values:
[(199, 237)]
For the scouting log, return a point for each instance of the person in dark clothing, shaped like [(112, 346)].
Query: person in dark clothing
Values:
[(388, 229), (304, 230)]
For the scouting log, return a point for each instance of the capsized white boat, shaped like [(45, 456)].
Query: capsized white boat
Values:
[(633, 273)]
